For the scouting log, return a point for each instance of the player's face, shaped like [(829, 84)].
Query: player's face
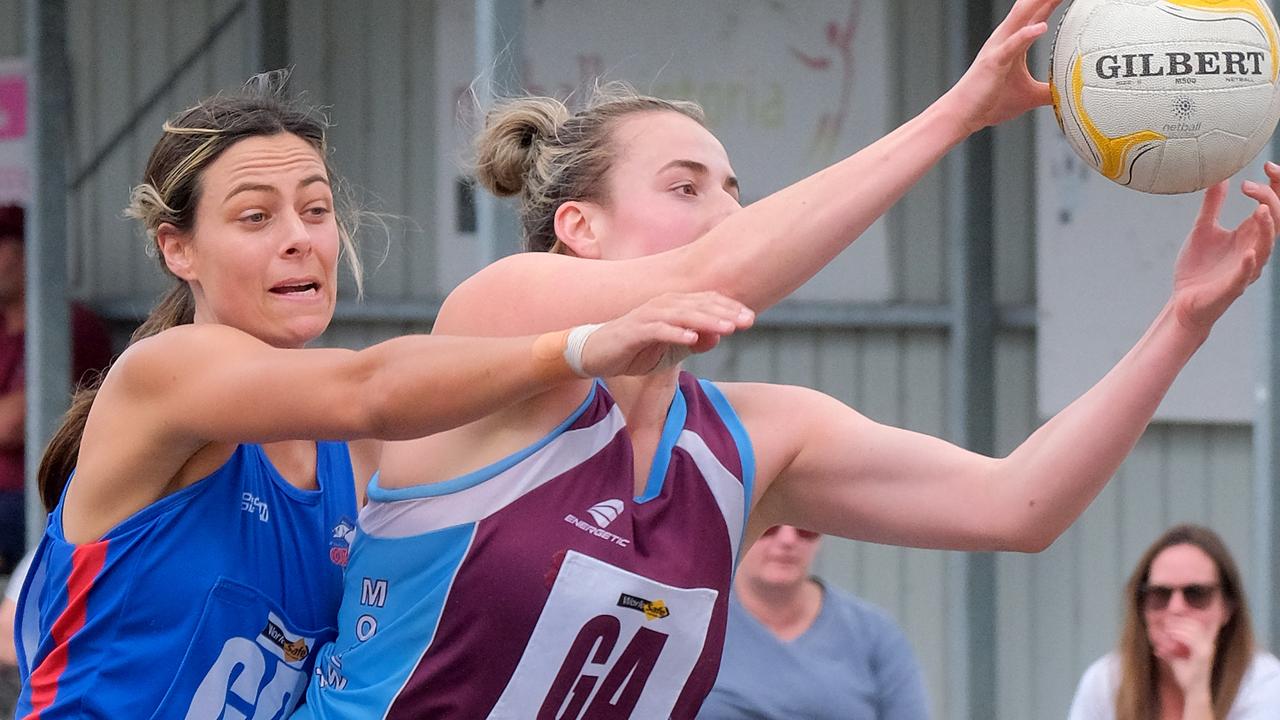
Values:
[(780, 557), (263, 253), (670, 182), (1182, 585)]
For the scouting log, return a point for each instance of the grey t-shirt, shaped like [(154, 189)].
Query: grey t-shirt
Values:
[(853, 663)]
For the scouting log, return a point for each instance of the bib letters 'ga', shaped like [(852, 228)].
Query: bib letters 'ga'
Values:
[(134, 630), (539, 586)]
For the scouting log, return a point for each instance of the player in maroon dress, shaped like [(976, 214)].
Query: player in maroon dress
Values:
[(569, 557)]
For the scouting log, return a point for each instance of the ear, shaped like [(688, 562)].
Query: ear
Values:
[(574, 225), (176, 248)]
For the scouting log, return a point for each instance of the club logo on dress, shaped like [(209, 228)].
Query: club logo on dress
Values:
[(606, 512), (340, 539), (652, 609)]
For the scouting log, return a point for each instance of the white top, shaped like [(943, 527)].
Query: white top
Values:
[(14, 588), (1258, 698)]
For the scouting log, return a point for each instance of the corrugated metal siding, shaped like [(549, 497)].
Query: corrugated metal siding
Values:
[(121, 52), (374, 69), (893, 377)]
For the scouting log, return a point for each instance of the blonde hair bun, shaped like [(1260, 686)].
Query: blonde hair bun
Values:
[(512, 138)]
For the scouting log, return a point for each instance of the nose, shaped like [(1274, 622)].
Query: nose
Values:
[(1177, 603), (729, 205), (297, 239)]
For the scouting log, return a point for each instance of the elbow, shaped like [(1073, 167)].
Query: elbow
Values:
[(370, 406), (1031, 535), (1032, 542)]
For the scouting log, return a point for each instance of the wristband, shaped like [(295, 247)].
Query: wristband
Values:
[(574, 345)]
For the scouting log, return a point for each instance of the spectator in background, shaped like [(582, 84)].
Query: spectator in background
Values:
[(796, 648), (1187, 650), (91, 350)]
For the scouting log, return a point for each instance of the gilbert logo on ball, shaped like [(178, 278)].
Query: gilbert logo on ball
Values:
[(1166, 96)]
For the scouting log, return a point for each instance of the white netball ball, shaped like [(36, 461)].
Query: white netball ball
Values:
[(1166, 96)]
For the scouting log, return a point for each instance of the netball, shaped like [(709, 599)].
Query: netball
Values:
[(1166, 96)]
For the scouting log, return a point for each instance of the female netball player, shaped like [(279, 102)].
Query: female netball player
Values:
[(571, 557), (193, 563)]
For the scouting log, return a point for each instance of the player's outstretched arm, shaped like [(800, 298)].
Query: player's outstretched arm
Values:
[(172, 394), (838, 472), (793, 233)]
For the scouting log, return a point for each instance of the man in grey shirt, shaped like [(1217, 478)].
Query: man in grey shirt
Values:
[(796, 648)]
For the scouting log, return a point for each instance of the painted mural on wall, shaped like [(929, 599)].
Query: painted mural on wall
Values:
[(15, 179), (788, 87)]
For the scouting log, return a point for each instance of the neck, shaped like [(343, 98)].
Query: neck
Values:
[(786, 610), (646, 398)]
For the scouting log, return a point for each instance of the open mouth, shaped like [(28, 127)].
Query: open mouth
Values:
[(301, 289)]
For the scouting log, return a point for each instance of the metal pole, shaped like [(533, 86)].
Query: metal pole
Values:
[(271, 38), (1266, 453), (48, 346), (499, 68), (972, 371), (1266, 456)]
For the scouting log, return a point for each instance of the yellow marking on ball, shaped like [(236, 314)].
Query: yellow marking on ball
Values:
[(1114, 151)]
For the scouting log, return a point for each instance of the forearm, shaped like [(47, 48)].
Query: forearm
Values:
[(796, 231), (1198, 706), (420, 385), (1052, 477)]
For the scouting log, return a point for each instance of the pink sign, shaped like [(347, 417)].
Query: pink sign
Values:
[(13, 107)]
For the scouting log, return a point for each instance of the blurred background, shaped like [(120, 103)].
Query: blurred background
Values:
[(1002, 286)]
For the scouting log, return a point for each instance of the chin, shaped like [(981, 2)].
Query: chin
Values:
[(299, 334)]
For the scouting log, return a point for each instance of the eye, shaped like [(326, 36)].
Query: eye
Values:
[(686, 188), (255, 217), (317, 211)]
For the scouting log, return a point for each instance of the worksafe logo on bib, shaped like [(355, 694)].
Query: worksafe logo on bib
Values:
[(652, 609), (293, 648)]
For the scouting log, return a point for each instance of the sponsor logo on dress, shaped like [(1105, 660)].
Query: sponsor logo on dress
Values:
[(602, 515), (253, 505), (294, 649), (606, 512), (652, 609)]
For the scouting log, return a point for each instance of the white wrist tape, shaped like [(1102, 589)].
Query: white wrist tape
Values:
[(573, 348)]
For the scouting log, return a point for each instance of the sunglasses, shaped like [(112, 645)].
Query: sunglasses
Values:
[(809, 535), (1157, 597)]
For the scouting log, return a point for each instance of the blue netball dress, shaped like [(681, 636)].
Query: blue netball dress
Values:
[(209, 603), (540, 586)]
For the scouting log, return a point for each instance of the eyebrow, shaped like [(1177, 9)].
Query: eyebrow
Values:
[(259, 187), (700, 169)]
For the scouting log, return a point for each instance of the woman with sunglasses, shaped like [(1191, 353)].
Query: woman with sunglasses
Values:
[(1187, 650), (827, 654)]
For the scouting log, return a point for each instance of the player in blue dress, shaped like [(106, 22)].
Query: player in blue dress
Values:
[(570, 557), (200, 516)]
